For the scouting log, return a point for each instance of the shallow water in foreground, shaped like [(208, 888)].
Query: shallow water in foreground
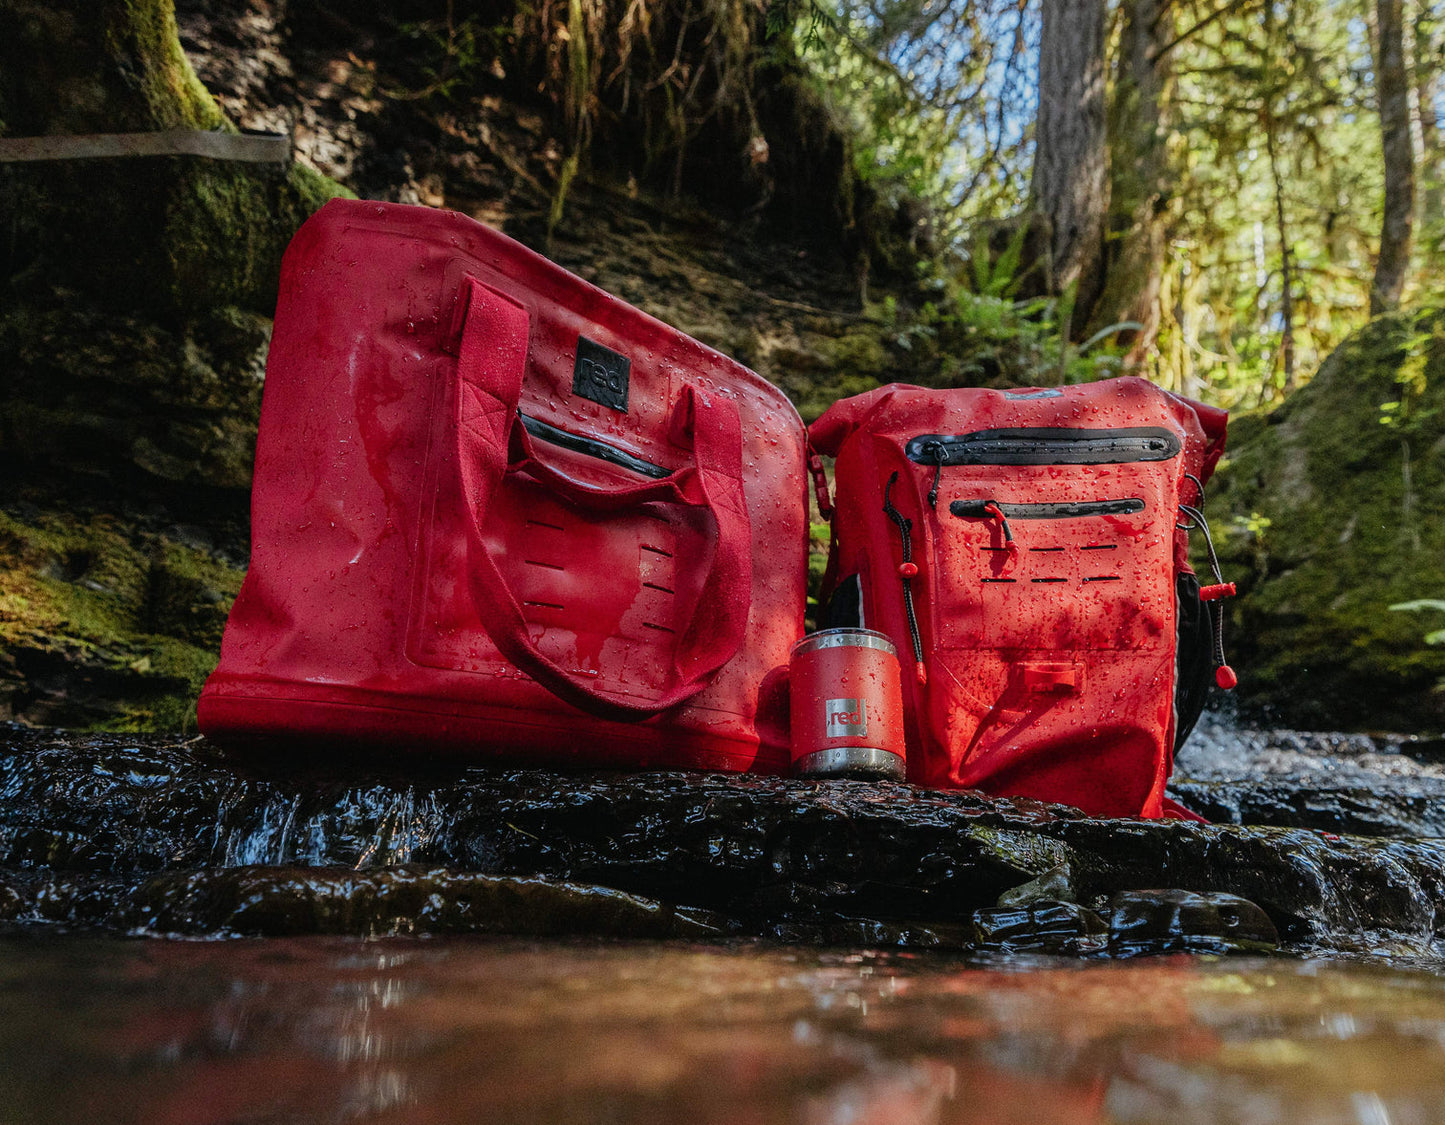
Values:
[(457, 1030)]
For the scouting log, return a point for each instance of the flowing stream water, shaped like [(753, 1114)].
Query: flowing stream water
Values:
[(492, 1030)]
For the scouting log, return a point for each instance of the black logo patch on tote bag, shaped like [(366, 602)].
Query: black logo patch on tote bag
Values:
[(601, 374)]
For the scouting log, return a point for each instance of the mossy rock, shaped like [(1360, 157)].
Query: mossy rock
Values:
[(169, 236), (119, 398), (861, 349), (1329, 511), (104, 624)]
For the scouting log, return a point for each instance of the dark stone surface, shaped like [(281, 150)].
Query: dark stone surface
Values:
[(161, 835), (1380, 785), (286, 900), (1041, 927), (1398, 807)]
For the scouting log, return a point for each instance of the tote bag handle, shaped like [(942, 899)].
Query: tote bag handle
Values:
[(491, 442)]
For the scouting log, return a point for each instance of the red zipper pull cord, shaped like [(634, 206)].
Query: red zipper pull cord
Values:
[(996, 512)]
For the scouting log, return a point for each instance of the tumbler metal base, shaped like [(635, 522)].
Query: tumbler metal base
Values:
[(851, 761)]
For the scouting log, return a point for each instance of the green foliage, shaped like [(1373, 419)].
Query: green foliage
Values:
[(450, 55), (980, 335), (1252, 526), (818, 539), (808, 19), (1269, 121), (998, 277), (1271, 126), (1423, 605), (1274, 114), (926, 89)]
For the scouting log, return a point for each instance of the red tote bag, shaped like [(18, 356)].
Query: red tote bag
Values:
[(499, 512)]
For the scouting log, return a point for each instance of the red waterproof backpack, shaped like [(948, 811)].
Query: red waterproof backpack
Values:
[(1027, 553), (499, 512)]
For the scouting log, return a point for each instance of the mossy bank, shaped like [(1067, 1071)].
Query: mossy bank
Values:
[(126, 448), (1330, 510)]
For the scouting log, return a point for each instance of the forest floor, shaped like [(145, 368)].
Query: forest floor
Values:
[(797, 313)]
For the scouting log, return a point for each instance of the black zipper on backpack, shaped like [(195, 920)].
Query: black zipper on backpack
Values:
[(591, 447), (1056, 510), (1045, 446)]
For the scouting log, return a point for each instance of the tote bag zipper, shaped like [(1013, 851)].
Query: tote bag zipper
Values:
[(591, 447)]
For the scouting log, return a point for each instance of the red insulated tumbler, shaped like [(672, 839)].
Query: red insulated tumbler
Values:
[(847, 705)]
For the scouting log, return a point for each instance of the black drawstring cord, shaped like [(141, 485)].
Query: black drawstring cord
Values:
[(1224, 675), (1196, 519), (906, 571), (1216, 620)]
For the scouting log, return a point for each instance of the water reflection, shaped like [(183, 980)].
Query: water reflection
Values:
[(184, 1033)]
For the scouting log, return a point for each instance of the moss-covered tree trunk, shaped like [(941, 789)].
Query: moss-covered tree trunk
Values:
[(1393, 88), (169, 235), (1141, 179), (1070, 183), (97, 66)]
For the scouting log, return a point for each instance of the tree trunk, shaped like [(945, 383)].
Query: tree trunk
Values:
[(1286, 255), (1393, 89), (170, 236), (1070, 184), (1141, 179), (97, 66), (1427, 89)]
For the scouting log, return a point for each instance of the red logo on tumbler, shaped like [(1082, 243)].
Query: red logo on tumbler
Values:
[(845, 718)]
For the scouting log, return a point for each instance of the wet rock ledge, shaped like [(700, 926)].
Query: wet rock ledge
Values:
[(157, 835)]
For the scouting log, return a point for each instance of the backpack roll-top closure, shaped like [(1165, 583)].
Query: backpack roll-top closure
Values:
[(1040, 445)]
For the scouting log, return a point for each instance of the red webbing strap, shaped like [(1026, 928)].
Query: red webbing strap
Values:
[(820, 486), (490, 364)]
